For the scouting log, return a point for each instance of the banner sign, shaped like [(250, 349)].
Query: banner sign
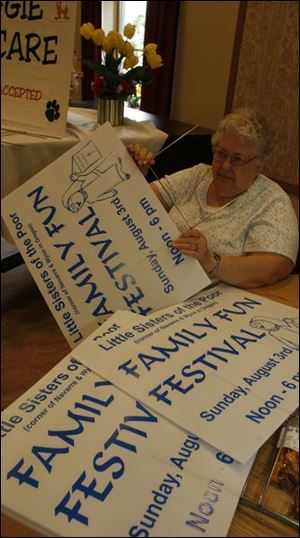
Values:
[(37, 40), (96, 239), (223, 366), (81, 458)]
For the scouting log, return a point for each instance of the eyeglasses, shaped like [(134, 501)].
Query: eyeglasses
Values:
[(235, 161)]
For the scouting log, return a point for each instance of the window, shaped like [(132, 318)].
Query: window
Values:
[(109, 16), (114, 17), (116, 14), (135, 13)]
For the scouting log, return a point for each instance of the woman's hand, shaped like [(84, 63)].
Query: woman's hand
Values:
[(143, 158), (193, 243), (247, 271)]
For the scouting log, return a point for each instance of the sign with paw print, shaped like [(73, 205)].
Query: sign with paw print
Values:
[(36, 62)]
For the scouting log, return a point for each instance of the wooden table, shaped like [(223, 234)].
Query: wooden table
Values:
[(32, 344)]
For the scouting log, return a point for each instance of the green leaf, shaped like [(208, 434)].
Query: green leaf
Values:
[(113, 63), (138, 74), (102, 71), (91, 64)]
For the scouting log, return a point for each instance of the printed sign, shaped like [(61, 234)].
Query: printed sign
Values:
[(96, 239), (223, 366), (37, 40), (81, 458)]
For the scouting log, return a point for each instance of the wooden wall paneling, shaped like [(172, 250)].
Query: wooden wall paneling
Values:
[(264, 74)]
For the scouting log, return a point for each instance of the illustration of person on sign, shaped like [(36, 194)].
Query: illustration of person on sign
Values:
[(285, 330), (93, 177)]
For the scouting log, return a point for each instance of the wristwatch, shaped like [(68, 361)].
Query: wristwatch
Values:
[(217, 259)]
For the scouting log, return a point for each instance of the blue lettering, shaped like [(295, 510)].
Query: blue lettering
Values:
[(38, 200), (23, 477)]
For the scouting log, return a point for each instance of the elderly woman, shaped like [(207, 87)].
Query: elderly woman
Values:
[(239, 224)]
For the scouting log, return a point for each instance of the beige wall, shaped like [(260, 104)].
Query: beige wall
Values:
[(203, 58)]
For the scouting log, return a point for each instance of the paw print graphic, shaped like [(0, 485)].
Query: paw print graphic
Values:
[(51, 112)]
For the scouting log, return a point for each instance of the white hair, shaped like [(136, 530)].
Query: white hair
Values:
[(251, 124)]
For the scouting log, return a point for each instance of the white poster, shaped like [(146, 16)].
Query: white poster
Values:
[(81, 458), (37, 40), (96, 239), (223, 366)]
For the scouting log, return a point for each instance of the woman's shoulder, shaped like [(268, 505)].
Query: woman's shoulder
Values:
[(269, 197), (270, 188)]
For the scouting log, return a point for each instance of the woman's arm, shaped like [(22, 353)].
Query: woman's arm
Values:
[(250, 271), (253, 270)]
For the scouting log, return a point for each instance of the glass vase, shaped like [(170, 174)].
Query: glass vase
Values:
[(111, 110)]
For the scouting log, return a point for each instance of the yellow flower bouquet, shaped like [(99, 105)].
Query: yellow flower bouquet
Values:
[(116, 71)]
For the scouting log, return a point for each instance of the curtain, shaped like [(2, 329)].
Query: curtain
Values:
[(90, 12), (161, 28)]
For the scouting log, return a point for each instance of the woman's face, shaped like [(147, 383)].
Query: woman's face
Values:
[(231, 179)]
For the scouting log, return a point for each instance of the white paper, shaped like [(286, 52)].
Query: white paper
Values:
[(37, 48), (224, 366), (80, 458), (96, 239)]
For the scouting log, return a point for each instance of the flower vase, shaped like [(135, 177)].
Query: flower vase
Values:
[(111, 110)]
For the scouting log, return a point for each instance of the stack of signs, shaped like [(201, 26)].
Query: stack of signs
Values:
[(149, 427), (36, 61), (82, 458), (99, 460), (96, 239)]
